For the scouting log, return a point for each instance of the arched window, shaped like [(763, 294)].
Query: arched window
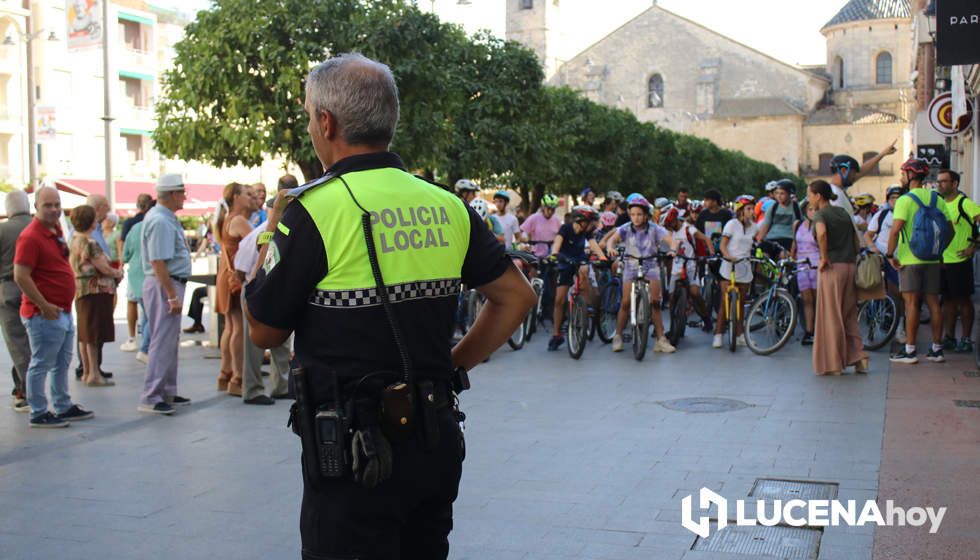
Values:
[(655, 91), (824, 165), (883, 68), (839, 67)]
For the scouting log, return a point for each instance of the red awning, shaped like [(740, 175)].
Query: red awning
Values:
[(201, 198)]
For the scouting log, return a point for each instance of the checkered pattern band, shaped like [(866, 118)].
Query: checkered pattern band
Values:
[(368, 297)]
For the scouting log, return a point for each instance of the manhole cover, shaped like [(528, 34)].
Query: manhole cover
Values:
[(789, 543), (793, 489), (704, 404), (968, 404), (971, 373)]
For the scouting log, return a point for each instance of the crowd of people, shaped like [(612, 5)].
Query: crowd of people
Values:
[(59, 278), (824, 230), (60, 272)]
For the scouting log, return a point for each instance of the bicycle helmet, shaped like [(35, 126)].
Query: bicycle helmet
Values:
[(632, 197), (481, 207), (744, 200), (640, 201), (893, 190), (771, 186), (502, 194), (466, 185), (670, 218), (549, 201), (608, 219), (916, 167), (584, 214), (844, 161), (614, 195), (863, 200), (696, 206), (661, 202)]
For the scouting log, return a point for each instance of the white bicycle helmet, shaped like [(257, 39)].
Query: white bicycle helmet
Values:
[(481, 207), (661, 202), (466, 185), (771, 186)]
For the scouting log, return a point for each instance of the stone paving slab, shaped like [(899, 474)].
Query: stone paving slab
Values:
[(566, 459)]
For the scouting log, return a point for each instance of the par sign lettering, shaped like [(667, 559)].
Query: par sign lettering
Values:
[(957, 32)]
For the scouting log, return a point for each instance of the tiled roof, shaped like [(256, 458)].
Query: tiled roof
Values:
[(862, 10), (754, 107), (858, 116)]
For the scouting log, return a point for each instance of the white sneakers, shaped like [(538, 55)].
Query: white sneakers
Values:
[(617, 343), (716, 341), (142, 357), (740, 341), (663, 345), (128, 346)]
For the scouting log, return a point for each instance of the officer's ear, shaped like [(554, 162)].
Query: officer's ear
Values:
[(327, 122)]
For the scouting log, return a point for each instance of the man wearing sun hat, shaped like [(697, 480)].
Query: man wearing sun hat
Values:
[(167, 264)]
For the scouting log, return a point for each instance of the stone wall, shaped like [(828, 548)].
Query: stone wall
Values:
[(777, 140)]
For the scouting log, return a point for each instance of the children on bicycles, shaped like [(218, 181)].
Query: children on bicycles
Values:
[(570, 246), (807, 255), (642, 239), (687, 238), (736, 243)]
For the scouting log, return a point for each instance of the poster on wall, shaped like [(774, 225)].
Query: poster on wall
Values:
[(84, 23), (933, 154), (45, 126)]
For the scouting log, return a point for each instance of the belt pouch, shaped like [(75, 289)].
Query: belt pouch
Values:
[(397, 412), (430, 424)]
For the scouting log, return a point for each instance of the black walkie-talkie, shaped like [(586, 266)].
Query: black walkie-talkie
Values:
[(330, 429)]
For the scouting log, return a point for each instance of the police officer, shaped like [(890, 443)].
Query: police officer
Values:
[(316, 280)]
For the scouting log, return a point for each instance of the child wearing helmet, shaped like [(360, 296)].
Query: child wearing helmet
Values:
[(864, 209), (508, 222), (736, 243), (574, 239), (688, 238), (466, 190), (482, 210), (642, 238), (540, 228)]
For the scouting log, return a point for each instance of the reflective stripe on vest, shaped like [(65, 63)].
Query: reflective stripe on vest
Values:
[(421, 235)]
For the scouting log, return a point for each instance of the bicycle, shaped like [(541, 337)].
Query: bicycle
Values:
[(678, 303), (771, 319), (639, 304), (578, 311), (732, 300), (544, 288), (878, 318), (610, 298), (521, 335)]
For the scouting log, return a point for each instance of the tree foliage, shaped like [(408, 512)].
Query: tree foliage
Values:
[(470, 106)]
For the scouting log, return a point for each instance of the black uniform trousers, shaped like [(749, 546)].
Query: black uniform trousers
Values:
[(407, 517)]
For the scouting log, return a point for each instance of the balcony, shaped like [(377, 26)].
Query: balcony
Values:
[(144, 62)]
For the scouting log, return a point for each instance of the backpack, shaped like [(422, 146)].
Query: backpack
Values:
[(868, 275), (928, 230), (881, 218), (973, 225)]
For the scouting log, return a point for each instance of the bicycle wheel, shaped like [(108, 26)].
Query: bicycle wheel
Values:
[(732, 305), (474, 303), (878, 321), (641, 329), (517, 340), (607, 310), (678, 315), (777, 316), (578, 328), (537, 285)]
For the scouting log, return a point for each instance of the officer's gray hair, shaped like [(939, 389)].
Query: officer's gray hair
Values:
[(17, 203), (360, 93)]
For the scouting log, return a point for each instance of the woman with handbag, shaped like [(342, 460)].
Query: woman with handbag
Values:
[(232, 226), (837, 341)]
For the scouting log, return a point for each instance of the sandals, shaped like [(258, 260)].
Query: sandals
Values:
[(102, 383)]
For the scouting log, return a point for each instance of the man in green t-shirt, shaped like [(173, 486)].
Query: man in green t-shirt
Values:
[(958, 262), (916, 278)]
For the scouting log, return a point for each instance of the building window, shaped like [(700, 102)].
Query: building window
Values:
[(135, 93), (825, 164), (132, 35), (874, 170), (839, 67), (134, 147), (883, 69), (655, 91), (527, 4)]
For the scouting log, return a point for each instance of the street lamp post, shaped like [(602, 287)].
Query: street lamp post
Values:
[(109, 191)]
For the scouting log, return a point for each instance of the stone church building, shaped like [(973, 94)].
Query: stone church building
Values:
[(685, 77)]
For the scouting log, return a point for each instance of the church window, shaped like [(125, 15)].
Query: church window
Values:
[(527, 4), (655, 91), (825, 164), (839, 67), (883, 68)]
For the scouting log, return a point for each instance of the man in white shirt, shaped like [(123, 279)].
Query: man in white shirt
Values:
[(507, 221), (846, 171), (253, 389)]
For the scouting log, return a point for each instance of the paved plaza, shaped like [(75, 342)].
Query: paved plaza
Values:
[(566, 459)]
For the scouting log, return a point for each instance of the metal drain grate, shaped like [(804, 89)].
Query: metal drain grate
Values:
[(705, 404), (774, 488), (788, 543), (971, 374), (968, 404)]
